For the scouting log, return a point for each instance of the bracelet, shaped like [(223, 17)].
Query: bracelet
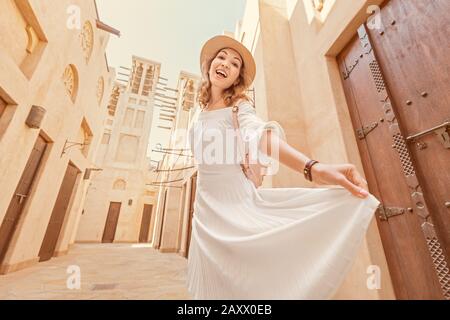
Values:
[(307, 170)]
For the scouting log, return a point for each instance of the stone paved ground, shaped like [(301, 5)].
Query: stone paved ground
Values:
[(108, 271)]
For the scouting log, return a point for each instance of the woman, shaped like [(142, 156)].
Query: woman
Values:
[(265, 243)]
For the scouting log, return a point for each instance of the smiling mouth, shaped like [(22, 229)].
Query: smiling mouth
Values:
[(221, 74)]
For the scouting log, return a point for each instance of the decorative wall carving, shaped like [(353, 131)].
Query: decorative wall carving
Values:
[(189, 95), (114, 100), (136, 78), (33, 39), (100, 89), (87, 40), (148, 82), (70, 80)]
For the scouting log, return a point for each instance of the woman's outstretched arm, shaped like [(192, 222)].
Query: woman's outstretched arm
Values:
[(344, 175)]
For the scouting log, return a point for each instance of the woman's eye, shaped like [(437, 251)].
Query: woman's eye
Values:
[(236, 65)]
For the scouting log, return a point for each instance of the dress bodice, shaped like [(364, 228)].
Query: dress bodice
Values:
[(213, 139)]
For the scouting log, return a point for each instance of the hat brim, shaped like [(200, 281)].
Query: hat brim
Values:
[(215, 44)]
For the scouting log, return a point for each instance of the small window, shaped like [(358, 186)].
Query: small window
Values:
[(22, 37), (139, 122), (106, 137), (128, 119), (119, 184)]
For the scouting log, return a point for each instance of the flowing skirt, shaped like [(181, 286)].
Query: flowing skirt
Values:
[(272, 243)]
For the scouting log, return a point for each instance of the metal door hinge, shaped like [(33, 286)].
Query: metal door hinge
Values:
[(388, 212), (364, 131), (348, 71)]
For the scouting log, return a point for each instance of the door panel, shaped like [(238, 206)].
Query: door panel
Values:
[(390, 172), (191, 210), (385, 177), (413, 50), (145, 223), (163, 215), (20, 196), (182, 216), (111, 222), (59, 212)]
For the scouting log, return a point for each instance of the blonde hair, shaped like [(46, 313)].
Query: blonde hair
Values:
[(230, 95)]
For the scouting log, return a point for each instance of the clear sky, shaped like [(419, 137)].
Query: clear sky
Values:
[(171, 32), (167, 31)]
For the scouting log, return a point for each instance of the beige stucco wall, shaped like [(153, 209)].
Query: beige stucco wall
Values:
[(173, 220), (99, 195), (298, 84), (38, 81), (125, 161)]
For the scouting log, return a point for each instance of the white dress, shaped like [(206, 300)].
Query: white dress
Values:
[(268, 243)]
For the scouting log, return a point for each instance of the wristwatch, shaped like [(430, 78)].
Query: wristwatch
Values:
[(307, 169)]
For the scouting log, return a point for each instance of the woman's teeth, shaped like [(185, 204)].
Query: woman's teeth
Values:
[(220, 74)]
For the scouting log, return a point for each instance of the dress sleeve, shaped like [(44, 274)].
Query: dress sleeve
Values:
[(252, 128)]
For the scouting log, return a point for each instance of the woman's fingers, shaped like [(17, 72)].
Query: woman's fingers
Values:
[(345, 175), (353, 188), (355, 183), (358, 180)]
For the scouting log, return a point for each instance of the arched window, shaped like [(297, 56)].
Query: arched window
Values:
[(119, 184)]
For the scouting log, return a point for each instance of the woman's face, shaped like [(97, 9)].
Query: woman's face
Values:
[(225, 68)]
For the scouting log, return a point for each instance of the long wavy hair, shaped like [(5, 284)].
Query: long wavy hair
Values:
[(231, 94)]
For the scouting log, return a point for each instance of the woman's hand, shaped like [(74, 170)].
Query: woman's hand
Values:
[(344, 175)]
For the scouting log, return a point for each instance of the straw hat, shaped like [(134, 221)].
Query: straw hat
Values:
[(215, 44)]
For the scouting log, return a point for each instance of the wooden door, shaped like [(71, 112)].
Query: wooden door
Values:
[(111, 222), (191, 210), (59, 213), (20, 196), (145, 223), (163, 214), (181, 216), (413, 51), (418, 269)]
